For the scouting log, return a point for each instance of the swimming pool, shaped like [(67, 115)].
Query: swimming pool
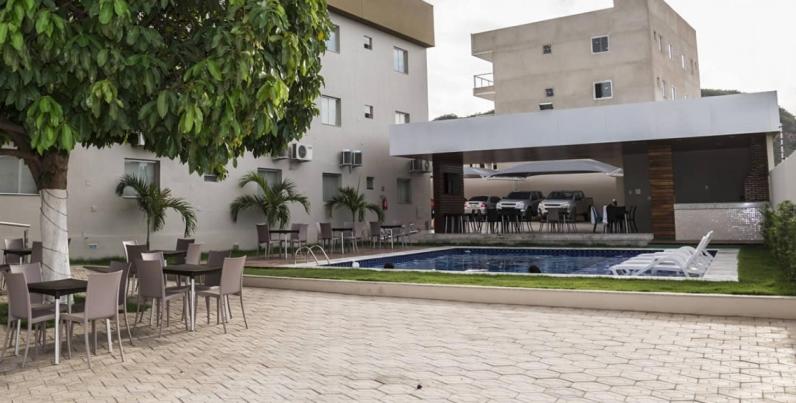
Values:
[(505, 260)]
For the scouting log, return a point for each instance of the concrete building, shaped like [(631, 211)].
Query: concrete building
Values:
[(375, 76), (636, 51)]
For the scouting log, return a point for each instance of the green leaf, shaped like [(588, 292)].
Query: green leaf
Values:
[(212, 67), (16, 40), (186, 121), (162, 104), (67, 140), (106, 12), (3, 32), (102, 57), (43, 22), (120, 7)]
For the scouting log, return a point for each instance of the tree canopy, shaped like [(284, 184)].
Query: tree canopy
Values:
[(202, 82)]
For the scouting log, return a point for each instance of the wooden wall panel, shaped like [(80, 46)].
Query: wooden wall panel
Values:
[(451, 202), (661, 177)]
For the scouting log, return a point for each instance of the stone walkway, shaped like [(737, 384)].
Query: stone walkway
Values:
[(323, 347)]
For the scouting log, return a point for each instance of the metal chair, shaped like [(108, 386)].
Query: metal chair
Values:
[(264, 238), (102, 303)]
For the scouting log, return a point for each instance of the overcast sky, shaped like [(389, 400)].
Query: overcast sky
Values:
[(748, 45)]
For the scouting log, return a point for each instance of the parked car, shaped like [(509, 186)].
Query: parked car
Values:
[(573, 202), (480, 204), (525, 202)]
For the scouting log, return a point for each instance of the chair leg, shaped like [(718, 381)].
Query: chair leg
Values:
[(27, 345), (207, 306), (229, 307), (223, 313), (127, 326), (160, 319), (242, 311), (94, 334), (119, 336), (110, 335), (16, 342), (218, 311), (88, 346), (6, 343), (69, 338), (168, 312)]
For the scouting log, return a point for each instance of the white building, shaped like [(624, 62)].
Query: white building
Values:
[(375, 76)]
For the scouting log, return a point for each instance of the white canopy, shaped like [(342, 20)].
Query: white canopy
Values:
[(477, 173), (577, 166)]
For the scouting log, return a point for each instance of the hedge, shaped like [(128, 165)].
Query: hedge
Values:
[(779, 233)]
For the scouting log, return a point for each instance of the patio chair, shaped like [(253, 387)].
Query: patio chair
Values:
[(15, 243), (36, 252), (124, 268), (598, 219), (231, 284), (688, 261), (631, 219), (182, 245), (102, 303), (193, 255), (20, 308), (264, 238), (376, 234), (153, 288), (298, 239), (125, 244), (554, 219), (133, 254), (32, 274), (325, 237), (351, 236)]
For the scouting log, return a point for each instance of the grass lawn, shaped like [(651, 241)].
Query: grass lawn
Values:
[(759, 274)]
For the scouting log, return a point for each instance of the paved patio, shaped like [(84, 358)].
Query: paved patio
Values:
[(324, 347)]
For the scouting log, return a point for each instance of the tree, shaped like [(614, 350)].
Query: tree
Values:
[(154, 202), (202, 82), (272, 200), (350, 199)]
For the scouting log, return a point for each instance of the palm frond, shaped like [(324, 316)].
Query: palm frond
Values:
[(244, 202), (186, 211), (272, 200)]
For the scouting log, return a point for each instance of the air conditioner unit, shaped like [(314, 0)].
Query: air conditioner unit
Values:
[(301, 152), (283, 154), (140, 141), (356, 158), (419, 166), (346, 158)]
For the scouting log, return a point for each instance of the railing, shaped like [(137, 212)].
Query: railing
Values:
[(483, 80), (308, 252)]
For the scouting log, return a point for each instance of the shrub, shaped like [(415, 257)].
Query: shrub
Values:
[(779, 234)]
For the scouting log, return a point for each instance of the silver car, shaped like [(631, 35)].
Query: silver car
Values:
[(480, 204)]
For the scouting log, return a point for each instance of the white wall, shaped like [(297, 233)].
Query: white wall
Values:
[(99, 220), (783, 181)]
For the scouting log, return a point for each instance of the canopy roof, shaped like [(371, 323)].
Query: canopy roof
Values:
[(577, 166), (476, 173)]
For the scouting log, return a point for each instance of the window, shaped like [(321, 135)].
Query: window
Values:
[(670, 51), (660, 43), (331, 186), (333, 41), (148, 171), (663, 88), (367, 42), (603, 90), (546, 106), (657, 82), (401, 118), (271, 176), (547, 49), (599, 44), (674, 92), (210, 178), (330, 110), (15, 177), (549, 92), (368, 111), (369, 182), (400, 59), (404, 191), (682, 61)]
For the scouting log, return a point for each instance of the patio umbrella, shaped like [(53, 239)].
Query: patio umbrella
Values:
[(477, 173), (552, 167)]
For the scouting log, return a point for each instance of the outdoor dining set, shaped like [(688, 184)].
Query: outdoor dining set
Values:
[(149, 280), (612, 218)]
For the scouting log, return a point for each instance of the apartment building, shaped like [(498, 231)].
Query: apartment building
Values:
[(636, 51), (375, 76)]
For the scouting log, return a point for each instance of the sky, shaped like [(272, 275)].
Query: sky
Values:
[(748, 45)]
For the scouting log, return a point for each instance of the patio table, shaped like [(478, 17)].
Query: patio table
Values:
[(342, 231), (284, 235), (191, 271), (58, 289), (391, 227), (21, 252)]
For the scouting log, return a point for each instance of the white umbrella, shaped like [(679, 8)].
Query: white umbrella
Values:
[(552, 167)]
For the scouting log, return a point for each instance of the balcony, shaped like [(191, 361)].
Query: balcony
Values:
[(484, 86)]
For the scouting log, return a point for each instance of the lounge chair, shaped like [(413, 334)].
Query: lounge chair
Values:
[(691, 262)]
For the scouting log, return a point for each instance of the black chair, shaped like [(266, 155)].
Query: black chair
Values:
[(631, 219), (616, 218)]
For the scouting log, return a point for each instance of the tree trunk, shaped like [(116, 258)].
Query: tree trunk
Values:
[(51, 175)]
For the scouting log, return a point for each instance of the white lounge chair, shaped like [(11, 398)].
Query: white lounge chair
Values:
[(691, 262)]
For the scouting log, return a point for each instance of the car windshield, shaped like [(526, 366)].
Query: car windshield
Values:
[(519, 195), (560, 195), (478, 198)]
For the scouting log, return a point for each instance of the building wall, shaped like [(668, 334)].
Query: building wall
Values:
[(99, 220), (783, 181), (633, 63)]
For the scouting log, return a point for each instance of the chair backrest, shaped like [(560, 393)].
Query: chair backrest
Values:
[(215, 258), (375, 228), (594, 215), (36, 252), (232, 274), (324, 230), (125, 244), (15, 243), (32, 274), (301, 235), (123, 267), (151, 283), (263, 234), (102, 295), (134, 255), (154, 256), (182, 243), (18, 295), (553, 215), (194, 253)]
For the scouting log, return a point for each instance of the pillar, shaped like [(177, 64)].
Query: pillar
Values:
[(662, 196), (448, 189)]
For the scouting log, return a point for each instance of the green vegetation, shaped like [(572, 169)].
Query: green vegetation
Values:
[(354, 201), (272, 199), (779, 232), (759, 274)]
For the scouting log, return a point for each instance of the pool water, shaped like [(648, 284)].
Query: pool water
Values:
[(507, 260)]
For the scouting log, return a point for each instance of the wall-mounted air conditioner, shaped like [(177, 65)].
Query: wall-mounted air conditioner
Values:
[(301, 152), (283, 154), (418, 166), (356, 158), (346, 158)]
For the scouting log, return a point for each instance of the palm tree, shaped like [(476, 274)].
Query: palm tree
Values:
[(350, 199), (154, 202), (272, 200)]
